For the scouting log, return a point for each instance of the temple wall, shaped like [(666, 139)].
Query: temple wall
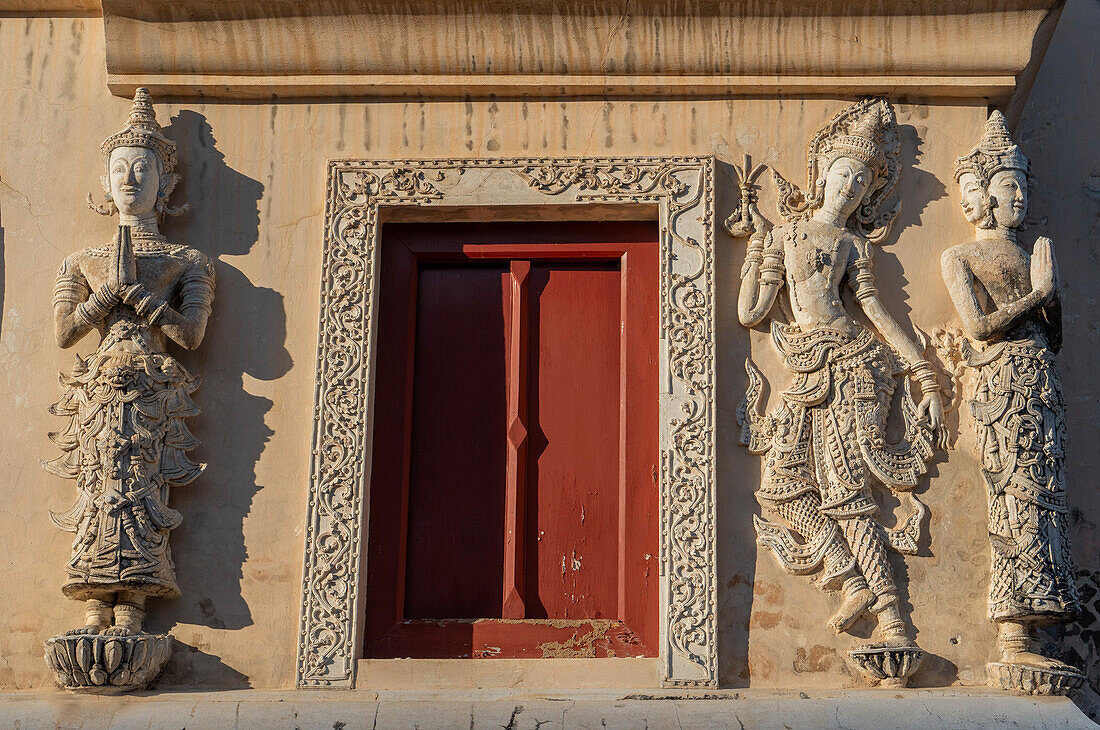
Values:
[(256, 174)]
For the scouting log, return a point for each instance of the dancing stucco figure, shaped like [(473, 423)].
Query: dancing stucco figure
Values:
[(825, 444)]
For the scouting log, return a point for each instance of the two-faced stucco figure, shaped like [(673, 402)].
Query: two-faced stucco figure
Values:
[(125, 442), (825, 444), (1008, 301)]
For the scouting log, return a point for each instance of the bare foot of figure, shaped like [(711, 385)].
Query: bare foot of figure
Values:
[(120, 631), (97, 617), (898, 641), (128, 618), (91, 628), (852, 608), (1035, 661)]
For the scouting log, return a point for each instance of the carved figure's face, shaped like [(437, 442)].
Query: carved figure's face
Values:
[(975, 201), (846, 182), (1008, 196), (134, 177)]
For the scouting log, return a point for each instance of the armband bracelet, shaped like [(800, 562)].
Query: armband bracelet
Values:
[(929, 386), (157, 313), (132, 292), (70, 291), (771, 270), (921, 366), (140, 298), (861, 277), (924, 374), (103, 300), (85, 317), (149, 304), (96, 309), (866, 292)]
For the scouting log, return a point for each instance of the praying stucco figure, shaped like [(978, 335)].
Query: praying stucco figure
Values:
[(1008, 301), (125, 442), (824, 444)]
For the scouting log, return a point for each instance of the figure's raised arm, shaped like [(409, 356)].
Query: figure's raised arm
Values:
[(761, 279)]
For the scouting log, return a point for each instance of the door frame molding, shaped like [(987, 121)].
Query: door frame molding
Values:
[(360, 196)]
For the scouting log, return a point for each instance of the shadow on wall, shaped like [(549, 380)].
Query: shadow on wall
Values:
[(190, 667), (738, 477), (245, 335), (917, 189)]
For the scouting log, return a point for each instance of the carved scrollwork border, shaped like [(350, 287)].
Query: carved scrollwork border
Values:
[(682, 188)]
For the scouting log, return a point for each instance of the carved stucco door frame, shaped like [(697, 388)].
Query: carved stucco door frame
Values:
[(361, 194)]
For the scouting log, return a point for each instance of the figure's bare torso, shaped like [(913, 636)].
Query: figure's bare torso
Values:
[(816, 256), (160, 268), (1002, 269)]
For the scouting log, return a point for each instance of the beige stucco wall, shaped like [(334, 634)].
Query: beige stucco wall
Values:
[(1059, 131), (256, 175)]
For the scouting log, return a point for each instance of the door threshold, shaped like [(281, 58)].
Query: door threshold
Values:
[(473, 674)]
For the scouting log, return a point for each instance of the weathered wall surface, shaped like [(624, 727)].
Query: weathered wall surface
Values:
[(256, 175), (1060, 135)]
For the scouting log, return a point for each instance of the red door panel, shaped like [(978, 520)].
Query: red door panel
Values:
[(573, 477), (513, 497), (456, 474)]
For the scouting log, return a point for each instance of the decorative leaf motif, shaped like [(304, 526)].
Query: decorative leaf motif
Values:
[(84, 655), (112, 655), (125, 662)]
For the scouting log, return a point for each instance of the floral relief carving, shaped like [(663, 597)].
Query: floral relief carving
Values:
[(357, 192), (609, 180)]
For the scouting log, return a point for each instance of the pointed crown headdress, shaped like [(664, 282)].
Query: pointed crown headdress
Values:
[(866, 131), (863, 143), (994, 153), (142, 130)]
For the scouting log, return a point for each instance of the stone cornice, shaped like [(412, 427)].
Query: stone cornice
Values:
[(62, 8), (304, 48)]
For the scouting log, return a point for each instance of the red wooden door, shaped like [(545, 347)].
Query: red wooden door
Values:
[(513, 505)]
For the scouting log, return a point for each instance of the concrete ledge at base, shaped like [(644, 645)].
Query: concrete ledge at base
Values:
[(514, 674), (350, 710)]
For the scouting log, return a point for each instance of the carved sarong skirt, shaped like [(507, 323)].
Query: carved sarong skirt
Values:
[(1020, 418), (829, 427), (125, 445)]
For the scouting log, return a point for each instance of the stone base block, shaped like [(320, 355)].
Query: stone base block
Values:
[(889, 666), (865, 709), (1033, 681), (101, 664)]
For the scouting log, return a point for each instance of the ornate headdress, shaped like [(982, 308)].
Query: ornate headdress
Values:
[(994, 153), (863, 143), (143, 130), (866, 131)]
